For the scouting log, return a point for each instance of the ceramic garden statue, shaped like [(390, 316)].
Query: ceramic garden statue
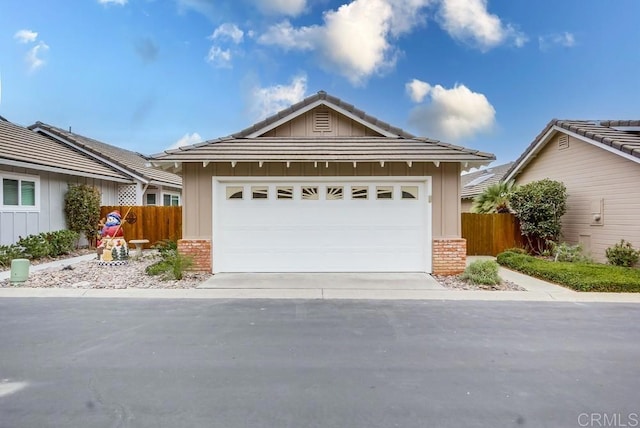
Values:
[(112, 246)]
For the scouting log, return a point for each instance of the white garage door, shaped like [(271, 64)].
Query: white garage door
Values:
[(301, 225)]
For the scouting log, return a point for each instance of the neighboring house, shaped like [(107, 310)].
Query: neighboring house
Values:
[(474, 183), (35, 173), (147, 185), (323, 187), (599, 163)]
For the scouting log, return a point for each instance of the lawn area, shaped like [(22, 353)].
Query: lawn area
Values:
[(578, 276)]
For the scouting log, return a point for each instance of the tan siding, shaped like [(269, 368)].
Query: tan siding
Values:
[(302, 126), (197, 201), (465, 205), (590, 174)]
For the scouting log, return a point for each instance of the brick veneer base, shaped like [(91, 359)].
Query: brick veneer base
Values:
[(199, 250), (449, 256)]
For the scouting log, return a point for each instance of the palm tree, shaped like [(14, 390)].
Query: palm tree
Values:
[(494, 199)]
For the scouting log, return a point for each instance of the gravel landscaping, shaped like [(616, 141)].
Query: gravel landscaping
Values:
[(89, 274)]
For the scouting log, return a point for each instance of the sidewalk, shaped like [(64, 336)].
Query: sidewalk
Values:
[(354, 287)]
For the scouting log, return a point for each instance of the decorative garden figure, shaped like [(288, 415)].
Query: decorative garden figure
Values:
[(112, 246)]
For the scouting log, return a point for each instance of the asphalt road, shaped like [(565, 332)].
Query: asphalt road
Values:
[(250, 363)]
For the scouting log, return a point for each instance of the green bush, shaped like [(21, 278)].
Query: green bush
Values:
[(578, 276), (539, 205), (622, 254), (172, 264), (482, 272), (564, 252), (10, 252), (62, 241), (35, 246), (82, 209)]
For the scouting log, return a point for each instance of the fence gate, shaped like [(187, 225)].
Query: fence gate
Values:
[(148, 222), (490, 234)]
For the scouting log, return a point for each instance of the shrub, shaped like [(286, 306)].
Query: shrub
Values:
[(622, 254), (578, 276), (482, 272), (516, 250), (539, 205), (35, 246), (564, 252), (10, 252), (82, 209), (172, 264), (61, 241)]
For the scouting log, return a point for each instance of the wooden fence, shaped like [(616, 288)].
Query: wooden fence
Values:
[(490, 234), (148, 222)]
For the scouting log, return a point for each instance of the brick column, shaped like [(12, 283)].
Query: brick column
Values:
[(449, 256), (199, 250)]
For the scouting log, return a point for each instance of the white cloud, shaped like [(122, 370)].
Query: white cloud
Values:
[(287, 37), (228, 31), (356, 39), (469, 21), (417, 90), (186, 140), (26, 36), (282, 7), (270, 100), (219, 57), (118, 2), (565, 39), (33, 58), (453, 114)]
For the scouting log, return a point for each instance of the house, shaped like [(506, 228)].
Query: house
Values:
[(474, 183), (146, 186), (322, 187), (36, 172), (599, 163)]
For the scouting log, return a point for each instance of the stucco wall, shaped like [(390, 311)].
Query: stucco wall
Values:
[(197, 191), (594, 177), (50, 216)]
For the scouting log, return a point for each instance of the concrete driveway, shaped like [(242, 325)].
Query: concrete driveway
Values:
[(330, 281)]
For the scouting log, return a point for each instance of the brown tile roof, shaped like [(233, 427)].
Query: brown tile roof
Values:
[(132, 163), (401, 146), (19, 144), (611, 133), (473, 183)]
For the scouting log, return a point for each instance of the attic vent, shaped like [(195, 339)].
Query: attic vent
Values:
[(321, 121), (563, 142)]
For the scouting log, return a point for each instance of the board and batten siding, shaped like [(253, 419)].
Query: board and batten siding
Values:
[(594, 177), (338, 126), (50, 216), (197, 188)]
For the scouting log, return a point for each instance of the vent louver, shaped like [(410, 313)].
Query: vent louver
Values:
[(563, 142), (321, 121)]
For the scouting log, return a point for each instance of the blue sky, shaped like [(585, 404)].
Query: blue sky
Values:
[(484, 74)]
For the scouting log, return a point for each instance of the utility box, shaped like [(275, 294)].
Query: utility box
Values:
[(19, 270)]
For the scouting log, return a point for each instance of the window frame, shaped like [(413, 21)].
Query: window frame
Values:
[(146, 200), (20, 178), (171, 196)]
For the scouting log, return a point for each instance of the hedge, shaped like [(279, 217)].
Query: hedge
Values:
[(578, 276)]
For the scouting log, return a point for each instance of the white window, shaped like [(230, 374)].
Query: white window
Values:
[(169, 199), (151, 199), (20, 192)]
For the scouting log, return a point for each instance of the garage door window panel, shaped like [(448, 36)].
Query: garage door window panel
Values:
[(234, 192), (259, 192), (409, 192), (310, 193), (359, 192), (384, 192), (334, 193), (284, 192)]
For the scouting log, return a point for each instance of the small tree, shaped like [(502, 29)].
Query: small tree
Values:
[(82, 209), (539, 206), (494, 199)]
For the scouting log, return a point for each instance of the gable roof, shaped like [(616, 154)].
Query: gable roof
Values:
[(391, 144), (620, 137), (130, 163), (477, 182), (24, 148)]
